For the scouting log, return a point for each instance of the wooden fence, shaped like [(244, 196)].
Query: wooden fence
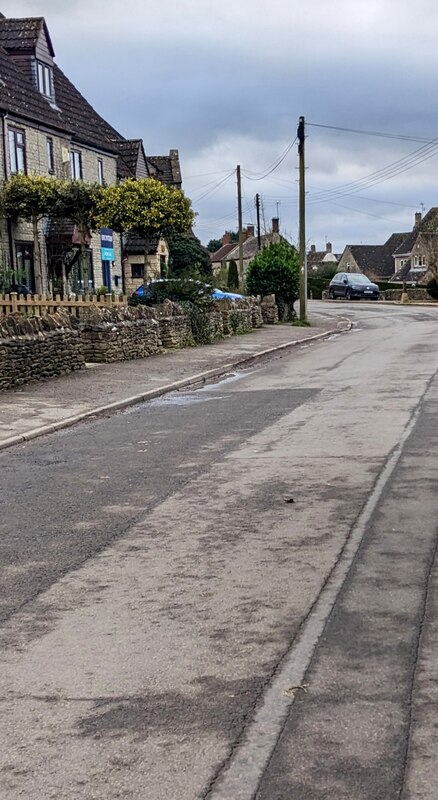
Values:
[(38, 305)]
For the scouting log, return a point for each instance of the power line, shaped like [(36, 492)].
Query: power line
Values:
[(214, 188), (370, 133), (274, 166)]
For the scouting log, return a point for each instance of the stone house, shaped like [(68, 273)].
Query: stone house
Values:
[(48, 128), (223, 257), (376, 261), (416, 257), (317, 260)]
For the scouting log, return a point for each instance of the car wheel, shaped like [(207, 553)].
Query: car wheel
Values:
[(348, 294), (331, 294)]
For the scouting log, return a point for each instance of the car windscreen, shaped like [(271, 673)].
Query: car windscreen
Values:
[(359, 279)]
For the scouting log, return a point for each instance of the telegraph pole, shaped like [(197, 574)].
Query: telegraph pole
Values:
[(302, 234), (259, 238), (240, 220)]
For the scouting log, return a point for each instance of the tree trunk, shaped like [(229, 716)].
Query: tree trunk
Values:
[(146, 259), (37, 257), (84, 267)]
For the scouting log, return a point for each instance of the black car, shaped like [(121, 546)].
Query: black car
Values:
[(351, 285)]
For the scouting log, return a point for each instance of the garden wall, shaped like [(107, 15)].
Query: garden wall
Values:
[(38, 348), (43, 347)]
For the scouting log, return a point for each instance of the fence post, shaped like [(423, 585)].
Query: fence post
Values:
[(109, 299), (14, 302)]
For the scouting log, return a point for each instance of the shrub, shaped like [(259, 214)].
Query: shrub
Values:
[(275, 270), (432, 288), (233, 276)]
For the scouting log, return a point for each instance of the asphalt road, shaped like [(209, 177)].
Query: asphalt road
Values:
[(232, 593)]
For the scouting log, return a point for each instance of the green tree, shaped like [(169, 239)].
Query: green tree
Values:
[(146, 207), (275, 270), (233, 275), (77, 201), (187, 256), (30, 198), (215, 244)]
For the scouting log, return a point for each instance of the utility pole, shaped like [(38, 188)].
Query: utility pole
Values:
[(240, 220), (302, 234), (259, 238)]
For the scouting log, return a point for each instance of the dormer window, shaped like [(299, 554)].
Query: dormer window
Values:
[(45, 79)]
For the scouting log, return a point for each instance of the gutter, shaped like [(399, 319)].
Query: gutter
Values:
[(5, 177)]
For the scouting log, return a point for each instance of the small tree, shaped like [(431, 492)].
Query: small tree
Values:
[(146, 207), (77, 201), (187, 256), (233, 275), (31, 198), (275, 270)]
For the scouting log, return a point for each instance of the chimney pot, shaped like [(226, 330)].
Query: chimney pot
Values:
[(417, 218), (226, 238), (275, 225), (249, 231), (313, 248), (328, 247)]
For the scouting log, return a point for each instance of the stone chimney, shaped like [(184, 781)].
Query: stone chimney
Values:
[(275, 225), (226, 238), (417, 219), (313, 248), (249, 231), (328, 247)]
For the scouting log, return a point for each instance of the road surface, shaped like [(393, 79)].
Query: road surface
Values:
[(232, 592)]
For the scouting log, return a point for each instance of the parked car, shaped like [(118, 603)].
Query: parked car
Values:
[(353, 285), (155, 290)]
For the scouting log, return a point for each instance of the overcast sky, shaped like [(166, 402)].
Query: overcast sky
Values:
[(225, 81)]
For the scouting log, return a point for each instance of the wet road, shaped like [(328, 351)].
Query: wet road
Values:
[(173, 626)]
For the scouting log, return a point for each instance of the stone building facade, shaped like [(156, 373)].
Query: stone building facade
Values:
[(49, 128)]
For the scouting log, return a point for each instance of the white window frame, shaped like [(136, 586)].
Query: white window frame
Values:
[(17, 150), (45, 79), (50, 156), (76, 165), (100, 172)]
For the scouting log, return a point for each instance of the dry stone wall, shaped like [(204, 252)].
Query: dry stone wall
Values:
[(43, 347), (38, 348)]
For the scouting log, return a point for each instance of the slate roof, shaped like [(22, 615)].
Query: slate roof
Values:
[(377, 258), (168, 168), (222, 252), (251, 246), (19, 98), (134, 245), (129, 149), (80, 118), (430, 219), (21, 35)]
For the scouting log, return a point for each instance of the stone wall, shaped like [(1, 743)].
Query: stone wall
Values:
[(420, 295), (269, 310), (123, 333), (38, 348), (42, 347)]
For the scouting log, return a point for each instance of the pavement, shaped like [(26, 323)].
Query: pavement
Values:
[(40, 408)]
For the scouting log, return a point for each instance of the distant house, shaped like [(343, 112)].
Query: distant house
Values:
[(250, 248), (317, 260), (374, 260), (416, 258), (219, 258)]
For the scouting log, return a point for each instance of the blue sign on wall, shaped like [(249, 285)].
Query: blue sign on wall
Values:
[(107, 244), (107, 253)]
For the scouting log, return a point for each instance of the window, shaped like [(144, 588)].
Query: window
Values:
[(45, 79), (100, 177), (76, 165), (420, 263), (137, 270), (17, 150), (50, 156)]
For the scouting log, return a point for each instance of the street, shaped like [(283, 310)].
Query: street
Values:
[(231, 593)]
